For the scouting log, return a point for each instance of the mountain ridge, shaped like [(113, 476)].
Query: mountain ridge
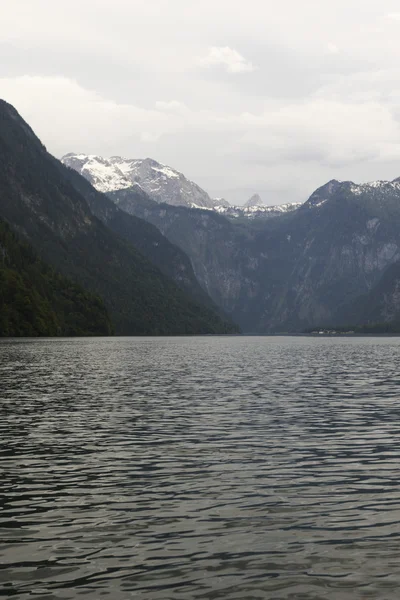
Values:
[(162, 184)]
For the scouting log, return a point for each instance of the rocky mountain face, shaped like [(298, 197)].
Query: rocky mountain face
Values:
[(382, 304), (41, 203), (304, 268), (378, 306), (160, 182), (214, 244)]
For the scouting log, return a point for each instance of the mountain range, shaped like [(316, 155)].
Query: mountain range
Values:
[(160, 182), (155, 254), (315, 264)]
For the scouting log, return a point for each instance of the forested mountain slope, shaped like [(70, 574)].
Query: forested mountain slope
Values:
[(36, 301)]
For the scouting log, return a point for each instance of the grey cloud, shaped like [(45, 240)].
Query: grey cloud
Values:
[(305, 92)]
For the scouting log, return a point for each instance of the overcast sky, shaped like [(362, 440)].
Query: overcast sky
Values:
[(268, 96)]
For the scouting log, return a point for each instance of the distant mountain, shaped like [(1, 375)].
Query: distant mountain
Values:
[(372, 193), (302, 269), (36, 301), (38, 199), (149, 179), (257, 211), (220, 202), (160, 182), (255, 200)]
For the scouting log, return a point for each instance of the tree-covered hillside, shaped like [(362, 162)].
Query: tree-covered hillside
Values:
[(36, 301)]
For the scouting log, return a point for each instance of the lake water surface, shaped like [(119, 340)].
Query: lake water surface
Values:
[(200, 468)]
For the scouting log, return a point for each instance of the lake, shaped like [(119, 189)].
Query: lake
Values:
[(200, 468)]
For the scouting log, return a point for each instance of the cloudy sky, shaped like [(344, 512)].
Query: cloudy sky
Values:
[(243, 97)]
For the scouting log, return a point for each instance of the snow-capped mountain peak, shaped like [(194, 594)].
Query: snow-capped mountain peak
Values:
[(374, 189), (161, 182)]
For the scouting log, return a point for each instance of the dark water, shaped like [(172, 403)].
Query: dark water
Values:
[(205, 468)]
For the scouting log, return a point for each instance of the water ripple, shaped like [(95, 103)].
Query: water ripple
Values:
[(200, 468)]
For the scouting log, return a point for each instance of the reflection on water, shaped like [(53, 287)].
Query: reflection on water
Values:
[(180, 468)]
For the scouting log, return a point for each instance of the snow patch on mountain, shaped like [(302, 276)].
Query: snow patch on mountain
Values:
[(256, 211), (375, 189), (101, 173), (161, 182)]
